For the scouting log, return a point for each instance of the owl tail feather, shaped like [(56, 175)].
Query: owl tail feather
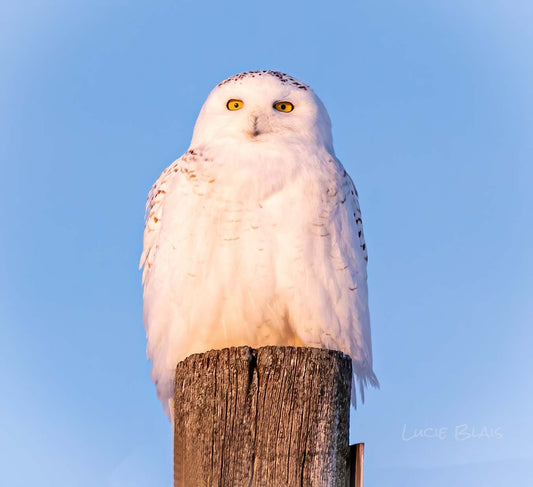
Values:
[(365, 376)]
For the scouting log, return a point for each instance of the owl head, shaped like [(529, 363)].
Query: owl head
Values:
[(259, 107)]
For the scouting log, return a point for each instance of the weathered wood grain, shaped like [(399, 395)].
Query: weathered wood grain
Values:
[(275, 416)]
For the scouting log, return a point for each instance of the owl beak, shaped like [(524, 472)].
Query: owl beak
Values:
[(258, 126), (255, 129)]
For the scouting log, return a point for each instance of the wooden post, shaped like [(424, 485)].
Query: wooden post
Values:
[(275, 416)]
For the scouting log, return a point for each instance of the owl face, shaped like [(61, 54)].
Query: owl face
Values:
[(261, 107)]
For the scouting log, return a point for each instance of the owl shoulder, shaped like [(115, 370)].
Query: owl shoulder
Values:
[(348, 198)]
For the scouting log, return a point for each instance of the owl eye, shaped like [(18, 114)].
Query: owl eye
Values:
[(284, 106), (234, 104)]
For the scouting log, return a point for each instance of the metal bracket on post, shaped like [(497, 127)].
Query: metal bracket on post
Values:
[(357, 453)]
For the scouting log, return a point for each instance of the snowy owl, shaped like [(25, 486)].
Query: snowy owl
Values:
[(254, 236)]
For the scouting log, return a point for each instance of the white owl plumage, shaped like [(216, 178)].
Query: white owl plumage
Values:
[(254, 236)]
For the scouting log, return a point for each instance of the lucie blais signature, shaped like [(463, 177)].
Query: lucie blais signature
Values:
[(460, 432)]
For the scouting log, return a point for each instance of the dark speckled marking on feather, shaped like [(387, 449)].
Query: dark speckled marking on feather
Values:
[(284, 78)]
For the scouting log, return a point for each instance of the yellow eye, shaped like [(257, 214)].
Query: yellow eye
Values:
[(234, 104), (284, 106)]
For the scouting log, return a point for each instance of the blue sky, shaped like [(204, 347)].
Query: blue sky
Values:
[(432, 107)]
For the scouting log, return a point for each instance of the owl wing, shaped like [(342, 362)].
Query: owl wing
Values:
[(352, 204), (152, 218), (351, 240)]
